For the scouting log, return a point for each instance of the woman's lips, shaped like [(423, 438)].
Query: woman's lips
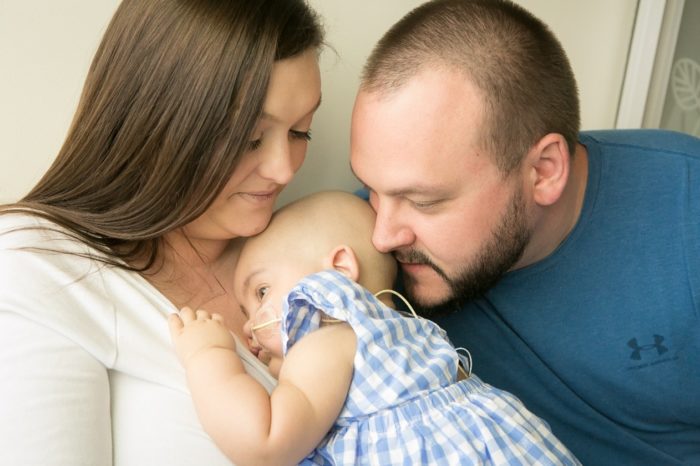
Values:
[(259, 196)]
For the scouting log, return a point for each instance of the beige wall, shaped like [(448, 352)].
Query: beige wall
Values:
[(46, 47), (45, 51)]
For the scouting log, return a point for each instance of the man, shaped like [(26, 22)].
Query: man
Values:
[(567, 263)]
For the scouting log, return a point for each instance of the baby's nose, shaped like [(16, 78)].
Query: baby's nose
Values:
[(250, 342), (247, 329)]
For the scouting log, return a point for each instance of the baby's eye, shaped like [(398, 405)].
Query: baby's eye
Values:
[(261, 291)]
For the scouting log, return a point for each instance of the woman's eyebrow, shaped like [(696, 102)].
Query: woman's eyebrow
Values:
[(269, 116)]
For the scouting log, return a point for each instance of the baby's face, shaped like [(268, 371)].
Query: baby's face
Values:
[(263, 277)]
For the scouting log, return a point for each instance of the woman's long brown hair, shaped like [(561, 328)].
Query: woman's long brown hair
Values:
[(170, 101)]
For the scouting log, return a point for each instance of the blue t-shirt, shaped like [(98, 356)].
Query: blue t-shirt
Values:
[(602, 338)]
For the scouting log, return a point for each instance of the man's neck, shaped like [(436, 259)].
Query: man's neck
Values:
[(559, 219)]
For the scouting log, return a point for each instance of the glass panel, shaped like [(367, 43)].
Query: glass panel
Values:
[(681, 105)]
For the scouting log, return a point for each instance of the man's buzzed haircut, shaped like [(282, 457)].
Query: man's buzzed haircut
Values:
[(514, 60)]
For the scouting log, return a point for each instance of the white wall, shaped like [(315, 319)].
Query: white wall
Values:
[(46, 47), (45, 51)]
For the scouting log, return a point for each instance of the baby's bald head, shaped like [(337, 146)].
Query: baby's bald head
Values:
[(309, 229)]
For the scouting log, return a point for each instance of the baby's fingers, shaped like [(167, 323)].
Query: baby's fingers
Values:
[(187, 315), (175, 324), (201, 314)]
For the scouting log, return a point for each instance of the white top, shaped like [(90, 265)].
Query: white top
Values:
[(88, 375)]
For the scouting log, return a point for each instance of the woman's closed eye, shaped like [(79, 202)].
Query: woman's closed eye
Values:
[(303, 135), (293, 134), (255, 144)]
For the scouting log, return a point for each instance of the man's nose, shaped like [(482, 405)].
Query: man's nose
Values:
[(390, 231)]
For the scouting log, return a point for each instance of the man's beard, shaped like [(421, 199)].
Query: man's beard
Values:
[(502, 251)]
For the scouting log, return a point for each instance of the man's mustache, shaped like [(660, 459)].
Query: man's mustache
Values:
[(414, 256)]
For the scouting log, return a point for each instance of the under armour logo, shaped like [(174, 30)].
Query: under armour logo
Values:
[(657, 345)]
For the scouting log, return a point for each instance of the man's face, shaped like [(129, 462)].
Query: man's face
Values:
[(452, 219)]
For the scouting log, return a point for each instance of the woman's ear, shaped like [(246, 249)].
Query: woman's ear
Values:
[(342, 258), (549, 160)]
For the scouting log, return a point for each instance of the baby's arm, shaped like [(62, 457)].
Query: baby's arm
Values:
[(248, 425)]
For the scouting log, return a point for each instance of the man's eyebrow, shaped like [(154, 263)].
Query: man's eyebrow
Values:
[(398, 192), (271, 117), (409, 191)]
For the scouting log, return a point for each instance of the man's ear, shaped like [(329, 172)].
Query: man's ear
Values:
[(549, 161), (342, 258)]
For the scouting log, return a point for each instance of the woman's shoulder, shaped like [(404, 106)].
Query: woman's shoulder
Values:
[(44, 279), (40, 257), (26, 231), (21, 225)]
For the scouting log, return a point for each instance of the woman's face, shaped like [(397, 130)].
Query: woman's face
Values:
[(244, 206)]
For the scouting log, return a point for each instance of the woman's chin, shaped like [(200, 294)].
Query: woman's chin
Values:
[(255, 223)]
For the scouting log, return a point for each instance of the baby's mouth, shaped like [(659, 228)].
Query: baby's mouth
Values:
[(263, 356)]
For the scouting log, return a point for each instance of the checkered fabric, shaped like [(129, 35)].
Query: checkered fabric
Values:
[(404, 405)]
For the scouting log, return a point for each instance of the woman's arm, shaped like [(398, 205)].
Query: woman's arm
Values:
[(54, 398), (250, 426)]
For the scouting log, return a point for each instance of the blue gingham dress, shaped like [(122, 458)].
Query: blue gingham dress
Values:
[(404, 405)]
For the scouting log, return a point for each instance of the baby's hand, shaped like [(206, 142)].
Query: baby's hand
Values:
[(195, 332)]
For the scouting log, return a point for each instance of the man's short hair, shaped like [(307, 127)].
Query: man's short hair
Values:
[(512, 57)]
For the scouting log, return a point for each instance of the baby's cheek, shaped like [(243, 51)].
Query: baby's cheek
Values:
[(275, 348), (274, 366), (274, 357), (249, 337)]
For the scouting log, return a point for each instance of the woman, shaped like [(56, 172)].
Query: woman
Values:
[(194, 115)]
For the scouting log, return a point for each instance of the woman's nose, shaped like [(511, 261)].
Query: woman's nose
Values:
[(281, 161)]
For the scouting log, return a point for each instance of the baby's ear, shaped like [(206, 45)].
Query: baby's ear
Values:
[(342, 258)]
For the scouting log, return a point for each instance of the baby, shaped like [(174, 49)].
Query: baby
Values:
[(358, 382)]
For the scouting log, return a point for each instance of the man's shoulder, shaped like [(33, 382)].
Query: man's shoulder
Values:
[(650, 140)]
